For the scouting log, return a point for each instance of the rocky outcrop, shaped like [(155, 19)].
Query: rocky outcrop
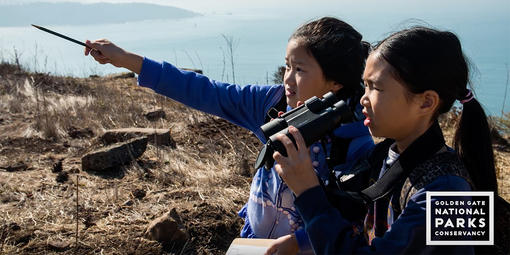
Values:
[(155, 136), (167, 229), (155, 115), (19, 166), (114, 155)]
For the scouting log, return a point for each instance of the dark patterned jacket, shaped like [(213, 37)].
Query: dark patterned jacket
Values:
[(426, 165)]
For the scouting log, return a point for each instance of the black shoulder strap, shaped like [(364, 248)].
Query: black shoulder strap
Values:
[(425, 173), (364, 172), (384, 185), (280, 106)]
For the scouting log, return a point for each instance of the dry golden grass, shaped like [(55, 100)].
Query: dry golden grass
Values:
[(205, 179)]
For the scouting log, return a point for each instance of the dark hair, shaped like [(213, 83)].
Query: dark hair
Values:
[(428, 59), (338, 49)]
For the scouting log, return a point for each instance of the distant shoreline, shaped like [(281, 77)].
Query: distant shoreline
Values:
[(79, 14)]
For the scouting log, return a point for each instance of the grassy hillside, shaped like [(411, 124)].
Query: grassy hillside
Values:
[(45, 120)]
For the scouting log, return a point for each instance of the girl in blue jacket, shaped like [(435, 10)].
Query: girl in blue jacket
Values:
[(410, 78), (321, 56)]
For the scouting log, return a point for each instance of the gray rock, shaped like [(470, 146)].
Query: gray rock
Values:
[(167, 229), (155, 136), (155, 115), (114, 155), (57, 245), (20, 166)]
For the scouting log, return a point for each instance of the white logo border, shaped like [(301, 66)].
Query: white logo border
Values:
[(490, 194)]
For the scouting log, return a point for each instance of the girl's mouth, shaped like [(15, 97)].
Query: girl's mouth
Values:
[(367, 120), (289, 92)]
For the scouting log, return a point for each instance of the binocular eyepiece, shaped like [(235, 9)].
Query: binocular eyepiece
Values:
[(314, 119)]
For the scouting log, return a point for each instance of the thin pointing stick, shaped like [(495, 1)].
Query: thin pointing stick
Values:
[(60, 35)]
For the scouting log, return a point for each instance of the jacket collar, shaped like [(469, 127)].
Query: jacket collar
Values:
[(423, 148), (418, 152)]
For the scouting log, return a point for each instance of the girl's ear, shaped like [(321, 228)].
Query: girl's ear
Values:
[(336, 86), (429, 102)]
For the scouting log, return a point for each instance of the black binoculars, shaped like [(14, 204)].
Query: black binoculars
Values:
[(314, 119)]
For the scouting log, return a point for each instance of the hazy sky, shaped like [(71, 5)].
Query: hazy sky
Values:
[(296, 7)]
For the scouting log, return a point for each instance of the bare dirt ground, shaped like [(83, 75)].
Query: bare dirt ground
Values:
[(48, 207)]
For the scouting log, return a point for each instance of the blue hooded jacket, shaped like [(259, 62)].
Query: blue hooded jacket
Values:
[(270, 210)]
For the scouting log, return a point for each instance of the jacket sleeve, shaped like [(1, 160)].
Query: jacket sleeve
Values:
[(302, 240), (244, 106), (330, 233)]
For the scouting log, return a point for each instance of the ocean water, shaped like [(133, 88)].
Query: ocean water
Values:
[(260, 36)]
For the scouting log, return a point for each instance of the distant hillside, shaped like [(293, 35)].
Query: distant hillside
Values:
[(80, 14)]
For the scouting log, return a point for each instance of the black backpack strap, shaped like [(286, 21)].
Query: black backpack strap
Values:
[(384, 185), (371, 166), (422, 149), (428, 171), (364, 172), (393, 177), (280, 106)]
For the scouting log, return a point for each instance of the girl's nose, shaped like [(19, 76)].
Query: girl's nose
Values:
[(364, 100), (288, 78)]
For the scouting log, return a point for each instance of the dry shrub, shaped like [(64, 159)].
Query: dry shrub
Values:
[(502, 123), (57, 111)]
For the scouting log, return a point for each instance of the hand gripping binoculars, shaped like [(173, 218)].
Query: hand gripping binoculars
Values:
[(314, 119)]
